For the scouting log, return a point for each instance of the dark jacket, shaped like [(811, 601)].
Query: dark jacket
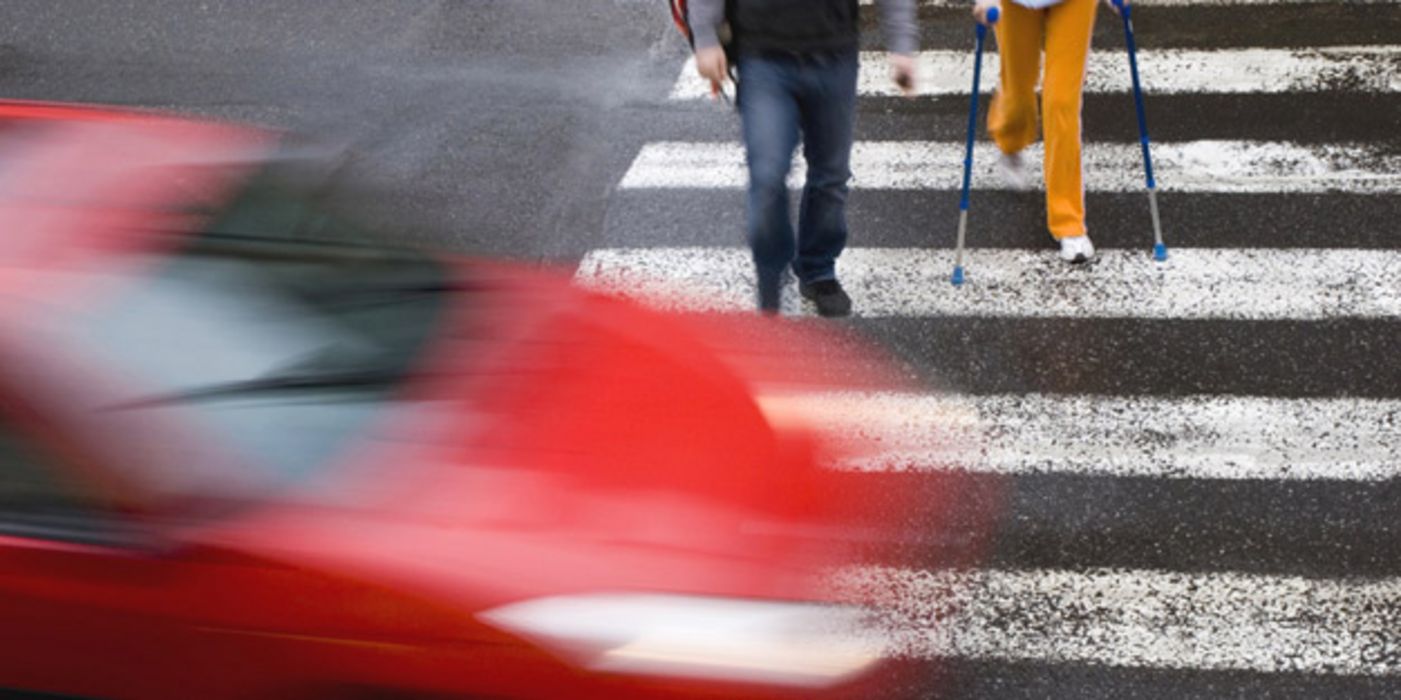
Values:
[(794, 25), (798, 25)]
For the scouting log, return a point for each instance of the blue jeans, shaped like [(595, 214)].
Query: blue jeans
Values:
[(783, 96)]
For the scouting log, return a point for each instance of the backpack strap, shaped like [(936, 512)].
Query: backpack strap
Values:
[(681, 15)]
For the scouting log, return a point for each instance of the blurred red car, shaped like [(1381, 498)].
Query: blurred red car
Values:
[(238, 463)]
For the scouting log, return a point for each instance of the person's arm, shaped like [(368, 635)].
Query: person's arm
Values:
[(898, 21), (706, 17), (901, 40)]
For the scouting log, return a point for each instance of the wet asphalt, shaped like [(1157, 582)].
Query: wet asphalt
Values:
[(503, 127)]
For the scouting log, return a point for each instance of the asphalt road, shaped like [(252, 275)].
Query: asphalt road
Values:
[(486, 126), (507, 127)]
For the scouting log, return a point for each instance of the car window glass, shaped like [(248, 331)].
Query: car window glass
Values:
[(271, 355)]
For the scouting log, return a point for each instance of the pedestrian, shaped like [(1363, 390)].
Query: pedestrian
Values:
[(1062, 28), (797, 64)]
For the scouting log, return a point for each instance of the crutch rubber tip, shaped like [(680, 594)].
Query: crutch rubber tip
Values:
[(958, 276), (1160, 252)]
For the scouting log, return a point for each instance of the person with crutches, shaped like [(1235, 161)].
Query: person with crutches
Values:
[(1063, 28), (798, 64)]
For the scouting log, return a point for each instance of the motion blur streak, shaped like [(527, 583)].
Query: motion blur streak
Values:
[(240, 457), (686, 636)]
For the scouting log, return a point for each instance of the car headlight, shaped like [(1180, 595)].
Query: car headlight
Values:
[(727, 639)]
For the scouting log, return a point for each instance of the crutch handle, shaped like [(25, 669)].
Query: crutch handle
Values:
[(982, 28), (1121, 6), (989, 19)]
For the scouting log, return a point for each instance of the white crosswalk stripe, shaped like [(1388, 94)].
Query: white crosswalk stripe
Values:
[(1194, 437), (1153, 619), (1373, 69), (1193, 166), (1241, 284)]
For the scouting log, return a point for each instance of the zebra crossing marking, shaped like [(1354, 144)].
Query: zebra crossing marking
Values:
[(1217, 166), (1191, 621), (1195, 283), (1193, 437), (1373, 69), (1139, 619)]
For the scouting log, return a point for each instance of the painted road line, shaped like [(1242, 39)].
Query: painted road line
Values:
[(1139, 619), (964, 4), (1194, 437), (1370, 69), (1194, 283), (1190, 166)]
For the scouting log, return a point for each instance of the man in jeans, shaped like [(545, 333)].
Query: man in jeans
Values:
[(797, 62)]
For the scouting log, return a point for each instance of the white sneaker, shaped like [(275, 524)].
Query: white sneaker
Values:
[(1077, 250), (1012, 168)]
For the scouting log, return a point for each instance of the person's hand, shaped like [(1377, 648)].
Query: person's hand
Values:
[(902, 71), (1114, 7), (711, 64), (980, 10)]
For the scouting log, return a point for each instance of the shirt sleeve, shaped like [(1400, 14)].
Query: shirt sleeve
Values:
[(706, 18), (901, 31)]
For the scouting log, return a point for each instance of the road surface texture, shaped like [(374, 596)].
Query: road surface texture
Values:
[(1197, 464)]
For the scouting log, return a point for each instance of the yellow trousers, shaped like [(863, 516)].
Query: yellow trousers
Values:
[(1064, 30)]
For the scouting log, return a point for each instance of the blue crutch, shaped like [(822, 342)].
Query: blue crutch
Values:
[(1125, 12), (982, 32)]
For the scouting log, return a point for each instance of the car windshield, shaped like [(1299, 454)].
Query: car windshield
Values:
[(282, 352)]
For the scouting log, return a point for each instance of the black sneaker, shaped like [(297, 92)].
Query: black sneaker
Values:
[(829, 296)]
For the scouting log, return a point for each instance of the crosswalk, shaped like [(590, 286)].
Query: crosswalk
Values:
[(1195, 283), (1192, 437), (1203, 455), (1268, 167), (1172, 71), (1220, 621)]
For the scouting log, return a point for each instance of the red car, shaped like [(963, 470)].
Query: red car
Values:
[(239, 461)]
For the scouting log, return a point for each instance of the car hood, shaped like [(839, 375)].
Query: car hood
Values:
[(556, 440)]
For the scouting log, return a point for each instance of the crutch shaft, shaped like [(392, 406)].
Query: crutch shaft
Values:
[(980, 32), (1126, 13)]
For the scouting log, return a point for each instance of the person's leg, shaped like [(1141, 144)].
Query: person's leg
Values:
[(1068, 29), (828, 108), (1012, 114), (768, 108)]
